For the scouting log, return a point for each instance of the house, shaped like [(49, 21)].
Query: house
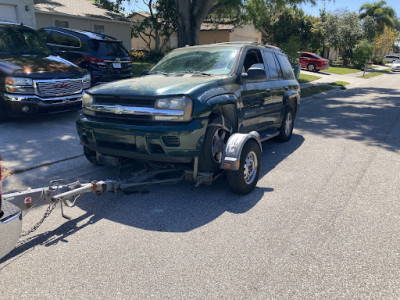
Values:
[(18, 11), (210, 33), (84, 15)]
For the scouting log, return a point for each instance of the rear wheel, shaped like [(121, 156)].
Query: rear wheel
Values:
[(286, 129), (244, 180), (311, 67)]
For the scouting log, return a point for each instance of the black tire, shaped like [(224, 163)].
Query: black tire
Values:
[(286, 129), (3, 113), (244, 180), (311, 68), (213, 146), (90, 155)]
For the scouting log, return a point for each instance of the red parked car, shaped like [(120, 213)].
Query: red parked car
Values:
[(313, 62)]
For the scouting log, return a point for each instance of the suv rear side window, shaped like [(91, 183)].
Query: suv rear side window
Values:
[(103, 48), (60, 39), (273, 66), (286, 67)]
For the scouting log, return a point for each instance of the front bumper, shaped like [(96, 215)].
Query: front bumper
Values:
[(162, 141), (17, 105)]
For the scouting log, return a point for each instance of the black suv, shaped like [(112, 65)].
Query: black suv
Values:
[(104, 56), (32, 80), (190, 103)]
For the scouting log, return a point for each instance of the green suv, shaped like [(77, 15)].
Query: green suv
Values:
[(186, 107)]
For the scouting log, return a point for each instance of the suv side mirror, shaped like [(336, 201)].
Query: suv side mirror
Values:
[(255, 72)]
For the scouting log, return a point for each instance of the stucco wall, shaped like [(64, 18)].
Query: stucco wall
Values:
[(121, 31), (24, 11)]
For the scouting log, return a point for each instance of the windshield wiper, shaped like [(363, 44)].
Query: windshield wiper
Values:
[(197, 73), (159, 72)]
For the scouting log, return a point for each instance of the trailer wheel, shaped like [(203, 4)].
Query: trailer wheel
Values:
[(244, 180)]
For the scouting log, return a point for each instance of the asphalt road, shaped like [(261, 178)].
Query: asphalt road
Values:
[(323, 222)]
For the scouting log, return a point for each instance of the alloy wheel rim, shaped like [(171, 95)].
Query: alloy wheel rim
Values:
[(288, 123), (250, 167)]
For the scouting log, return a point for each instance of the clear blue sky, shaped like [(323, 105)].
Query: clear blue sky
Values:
[(332, 5), (351, 5)]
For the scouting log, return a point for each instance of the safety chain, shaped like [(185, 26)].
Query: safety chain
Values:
[(47, 213)]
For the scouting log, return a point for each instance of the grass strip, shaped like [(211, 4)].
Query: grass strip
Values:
[(340, 83), (304, 78), (375, 73), (341, 70), (139, 67), (316, 89)]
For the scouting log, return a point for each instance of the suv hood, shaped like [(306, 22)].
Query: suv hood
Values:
[(36, 66), (155, 85)]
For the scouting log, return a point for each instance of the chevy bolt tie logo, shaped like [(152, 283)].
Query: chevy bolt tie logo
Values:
[(61, 85)]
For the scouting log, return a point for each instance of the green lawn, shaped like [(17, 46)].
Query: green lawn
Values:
[(341, 70), (304, 78), (138, 67), (316, 89), (340, 83), (374, 73)]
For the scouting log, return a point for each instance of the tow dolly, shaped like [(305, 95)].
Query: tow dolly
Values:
[(241, 160)]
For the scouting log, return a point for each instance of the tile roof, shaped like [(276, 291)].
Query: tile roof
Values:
[(80, 8)]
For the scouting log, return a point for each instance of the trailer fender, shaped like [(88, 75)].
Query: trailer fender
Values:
[(234, 147)]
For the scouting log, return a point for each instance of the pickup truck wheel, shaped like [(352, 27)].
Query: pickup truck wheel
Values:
[(311, 67), (213, 146), (244, 180), (3, 113), (286, 129), (90, 155)]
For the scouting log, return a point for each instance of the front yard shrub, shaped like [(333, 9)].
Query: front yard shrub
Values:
[(362, 53)]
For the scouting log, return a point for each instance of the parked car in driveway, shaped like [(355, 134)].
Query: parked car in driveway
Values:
[(313, 62), (396, 65), (190, 103), (391, 58), (103, 56), (32, 80)]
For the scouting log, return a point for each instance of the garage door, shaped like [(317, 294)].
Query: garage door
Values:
[(8, 13)]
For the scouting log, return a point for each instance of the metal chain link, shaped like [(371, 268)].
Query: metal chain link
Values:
[(47, 213)]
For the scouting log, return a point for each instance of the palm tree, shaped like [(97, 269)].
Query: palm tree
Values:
[(382, 14)]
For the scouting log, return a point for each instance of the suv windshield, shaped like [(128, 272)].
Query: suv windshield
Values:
[(103, 48), (20, 40), (203, 60)]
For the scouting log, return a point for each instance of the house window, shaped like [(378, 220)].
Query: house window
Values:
[(62, 24), (99, 28)]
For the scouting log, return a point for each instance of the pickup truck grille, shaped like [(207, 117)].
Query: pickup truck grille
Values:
[(61, 87)]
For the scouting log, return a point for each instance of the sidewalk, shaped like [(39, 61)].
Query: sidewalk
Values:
[(327, 78)]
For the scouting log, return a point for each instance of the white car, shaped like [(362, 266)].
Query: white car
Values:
[(396, 66)]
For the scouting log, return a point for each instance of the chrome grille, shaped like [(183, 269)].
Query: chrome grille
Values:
[(61, 87)]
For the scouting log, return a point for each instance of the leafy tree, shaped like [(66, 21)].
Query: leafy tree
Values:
[(362, 53), (383, 15), (115, 6), (159, 23), (369, 26), (384, 43), (343, 30)]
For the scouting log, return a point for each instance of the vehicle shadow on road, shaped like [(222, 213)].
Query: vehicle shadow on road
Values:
[(373, 119)]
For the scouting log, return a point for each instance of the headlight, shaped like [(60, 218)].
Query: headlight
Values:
[(173, 109), (86, 81), (19, 85), (87, 100)]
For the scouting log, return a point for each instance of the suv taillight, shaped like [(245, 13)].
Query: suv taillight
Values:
[(93, 59)]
